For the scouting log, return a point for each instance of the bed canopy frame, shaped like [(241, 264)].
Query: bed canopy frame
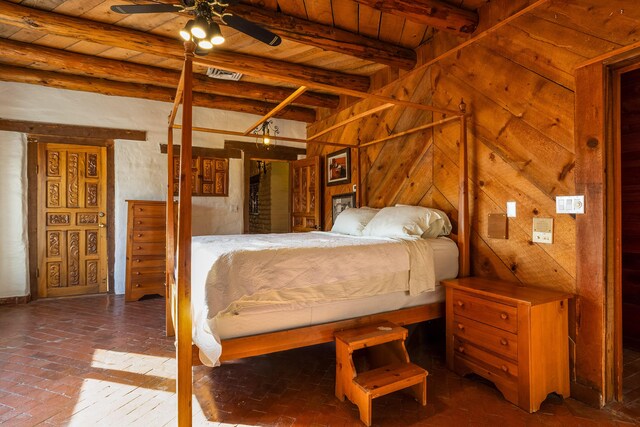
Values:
[(178, 294)]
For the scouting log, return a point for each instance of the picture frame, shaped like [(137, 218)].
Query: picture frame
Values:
[(338, 167), (340, 202)]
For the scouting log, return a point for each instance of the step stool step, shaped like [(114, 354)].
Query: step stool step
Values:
[(387, 379), (370, 335)]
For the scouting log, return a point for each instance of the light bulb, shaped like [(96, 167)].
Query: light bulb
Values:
[(185, 33), (205, 44), (214, 34), (216, 40), (266, 140), (199, 28)]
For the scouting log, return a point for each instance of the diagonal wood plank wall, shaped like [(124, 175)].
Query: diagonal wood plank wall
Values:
[(519, 86)]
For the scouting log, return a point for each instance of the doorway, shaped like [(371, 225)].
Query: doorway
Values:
[(71, 220), (269, 197)]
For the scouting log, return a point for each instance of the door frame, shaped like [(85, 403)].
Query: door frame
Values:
[(32, 213)]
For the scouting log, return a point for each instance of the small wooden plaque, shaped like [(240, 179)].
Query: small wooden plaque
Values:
[(497, 226)]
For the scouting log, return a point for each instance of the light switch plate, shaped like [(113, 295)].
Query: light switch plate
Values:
[(511, 209), (570, 204), (543, 230), (354, 188)]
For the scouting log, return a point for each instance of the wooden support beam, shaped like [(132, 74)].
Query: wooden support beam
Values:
[(50, 59), (72, 131), (434, 13), (277, 109), (275, 152), (139, 41), (108, 87), (350, 120), (177, 100), (409, 131), (235, 133), (328, 37), (464, 226)]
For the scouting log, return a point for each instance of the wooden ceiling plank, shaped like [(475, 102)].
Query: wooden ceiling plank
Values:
[(277, 109), (391, 29), (294, 8), (50, 59), (435, 13), (125, 38), (320, 10), (368, 21), (345, 15), (330, 38), (156, 93)]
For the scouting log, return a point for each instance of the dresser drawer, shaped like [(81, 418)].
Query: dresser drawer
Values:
[(157, 262), (153, 248), (155, 236), (149, 222), (491, 313), (142, 210), (503, 368), (143, 279), (501, 342)]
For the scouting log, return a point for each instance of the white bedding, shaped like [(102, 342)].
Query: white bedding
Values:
[(239, 274)]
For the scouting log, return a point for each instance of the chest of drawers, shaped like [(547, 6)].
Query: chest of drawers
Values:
[(514, 336), (146, 253)]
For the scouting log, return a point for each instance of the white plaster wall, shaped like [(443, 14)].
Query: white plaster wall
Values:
[(13, 216), (140, 168)]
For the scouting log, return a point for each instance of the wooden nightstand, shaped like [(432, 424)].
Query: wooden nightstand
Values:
[(514, 336)]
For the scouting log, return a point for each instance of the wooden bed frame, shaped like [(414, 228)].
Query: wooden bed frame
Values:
[(178, 294)]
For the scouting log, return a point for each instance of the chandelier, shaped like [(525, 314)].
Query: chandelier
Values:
[(266, 134), (202, 30)]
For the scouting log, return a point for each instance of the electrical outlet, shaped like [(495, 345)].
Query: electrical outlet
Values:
[(570, 204), (354, 188)]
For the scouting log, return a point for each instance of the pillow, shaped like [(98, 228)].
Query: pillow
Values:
[(353, 220), (403, 221)]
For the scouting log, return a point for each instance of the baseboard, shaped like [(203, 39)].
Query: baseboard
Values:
[(586, 395), (15, 300)]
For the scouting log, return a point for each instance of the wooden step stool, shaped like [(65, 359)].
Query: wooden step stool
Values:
[(391, 369)]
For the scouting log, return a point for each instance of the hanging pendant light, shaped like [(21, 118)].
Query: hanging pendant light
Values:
[(199, 28), (265, 134)]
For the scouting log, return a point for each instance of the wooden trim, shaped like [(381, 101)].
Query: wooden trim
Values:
[(613, 56), (464, 225), (277, 108), (32, 214), (351, 120), (221, 153), (238, 348), (55, 129), (25, 299), (409, 131), (171, 239)]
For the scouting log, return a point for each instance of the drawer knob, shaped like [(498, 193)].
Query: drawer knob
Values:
[(460, 304), (505, 369), (137, 260), (461, 349), (504, 316), (137, 285), (139, 234), (138, 222), (137, 273), (460, 326), (138, 247), (503, 341)]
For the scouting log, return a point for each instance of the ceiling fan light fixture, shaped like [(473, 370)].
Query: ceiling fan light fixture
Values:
[(199, 28), (185, 33), (214, 34), (205, 44)]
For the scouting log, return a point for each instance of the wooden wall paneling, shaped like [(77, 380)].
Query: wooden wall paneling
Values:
[(590, 232), (345, 15)]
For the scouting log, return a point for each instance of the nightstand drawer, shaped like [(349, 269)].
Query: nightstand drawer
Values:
[(142, 249), (492, 313), (157, 236), (156, 209), (501, 342), (499, 366), (149, 222)]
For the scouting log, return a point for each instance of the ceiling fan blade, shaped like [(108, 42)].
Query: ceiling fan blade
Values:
[(251, 29), (147, 8)]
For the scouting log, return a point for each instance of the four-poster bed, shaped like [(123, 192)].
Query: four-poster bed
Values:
[(179, 239)]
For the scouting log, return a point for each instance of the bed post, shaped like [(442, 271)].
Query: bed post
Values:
[(463, 198), (170, 240), (183, 323)]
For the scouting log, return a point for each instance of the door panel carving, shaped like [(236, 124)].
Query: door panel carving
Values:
[(305, 185), (72, 239)]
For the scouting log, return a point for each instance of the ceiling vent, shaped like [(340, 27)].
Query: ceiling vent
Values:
[(216, 73)]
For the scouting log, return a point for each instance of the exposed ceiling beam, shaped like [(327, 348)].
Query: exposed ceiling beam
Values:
[(328, 38), (45, 58), (435, 13), (125, 38), (156, 93)]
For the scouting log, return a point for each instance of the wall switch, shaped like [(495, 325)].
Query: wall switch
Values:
[(543, 230), (354, 188), (511, 209), (570, 204)]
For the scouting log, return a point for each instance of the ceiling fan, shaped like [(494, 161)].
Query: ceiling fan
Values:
[(204, 30)]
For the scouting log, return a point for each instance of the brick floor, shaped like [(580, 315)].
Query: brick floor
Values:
[(98, 361)]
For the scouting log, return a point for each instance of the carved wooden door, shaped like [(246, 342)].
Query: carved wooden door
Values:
[(72, 234), (305, 194)]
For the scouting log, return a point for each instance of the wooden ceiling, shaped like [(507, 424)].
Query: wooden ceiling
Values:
[(83, 45)]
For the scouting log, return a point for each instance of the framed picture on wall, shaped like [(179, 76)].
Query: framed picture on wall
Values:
[(340, 202), (339, 167)]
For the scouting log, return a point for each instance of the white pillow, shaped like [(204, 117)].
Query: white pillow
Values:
[(353, 220), (402, 221)]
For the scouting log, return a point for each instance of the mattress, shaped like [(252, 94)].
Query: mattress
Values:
[(252, 284)]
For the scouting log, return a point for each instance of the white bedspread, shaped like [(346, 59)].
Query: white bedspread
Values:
[(264, 270)]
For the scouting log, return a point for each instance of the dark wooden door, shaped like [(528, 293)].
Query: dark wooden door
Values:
[(305, 195), (72, 205)]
